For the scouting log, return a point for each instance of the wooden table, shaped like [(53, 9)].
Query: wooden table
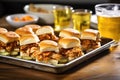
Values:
[(104, 66)]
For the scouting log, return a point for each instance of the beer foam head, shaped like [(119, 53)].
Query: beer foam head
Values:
[(109, 14), (108, 10)]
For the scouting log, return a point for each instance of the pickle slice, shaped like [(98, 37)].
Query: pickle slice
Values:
[(26, 58), (5, 53), (19, 57), (14, 53), (63, 61)]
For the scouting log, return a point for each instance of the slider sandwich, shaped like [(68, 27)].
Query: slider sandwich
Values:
[(10, 43), (49, 52), (46, 33), (90, 39), (29, 46), (70, 47), (69, 32), (2, 41)]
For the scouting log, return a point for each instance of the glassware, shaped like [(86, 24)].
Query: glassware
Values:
[(81, 19), (62, 17), (108, 16)]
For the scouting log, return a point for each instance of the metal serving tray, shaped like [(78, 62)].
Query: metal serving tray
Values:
[(52, 68)]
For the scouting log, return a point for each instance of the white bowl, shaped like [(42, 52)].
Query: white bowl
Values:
[(16, 24), (45, 18)]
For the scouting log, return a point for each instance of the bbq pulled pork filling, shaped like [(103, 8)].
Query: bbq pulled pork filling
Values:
[(12, 45), (48, 37), (88, 45), (11, 48), (48, 55), (71, 53), (2, 45), (30, 49)]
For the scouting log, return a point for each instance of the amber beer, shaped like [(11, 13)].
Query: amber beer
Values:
[(108, 16), (81, 19), (109, 26), (62, 17)]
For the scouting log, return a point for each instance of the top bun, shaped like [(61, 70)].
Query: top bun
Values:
[(69, 32), (90, 34), (28, 39), (24, 31), (9, 37), (45, 30), (3, 30), (69, 42), (34, 27), (48, 45), (3, 38)]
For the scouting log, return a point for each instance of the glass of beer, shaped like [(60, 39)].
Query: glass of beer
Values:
[(108, 16), (81, 19), (62, 17)]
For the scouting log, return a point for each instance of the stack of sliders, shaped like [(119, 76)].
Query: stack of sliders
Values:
[(41, 43), (46, 33), (9, 42), (28, 42), (90, 40)]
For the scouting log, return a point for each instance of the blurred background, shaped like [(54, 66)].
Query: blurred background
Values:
[(16, 6)]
